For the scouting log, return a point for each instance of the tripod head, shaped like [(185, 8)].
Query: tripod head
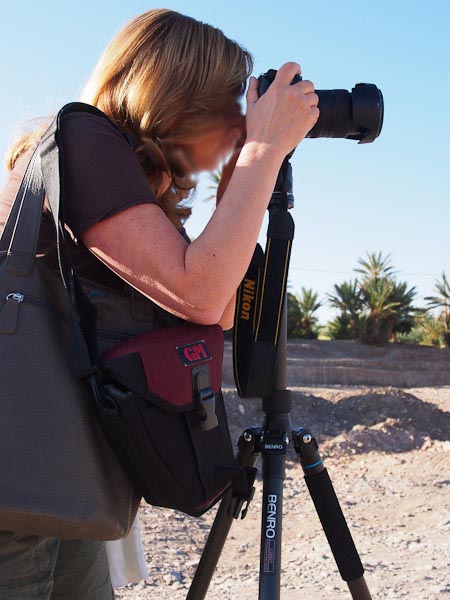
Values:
[(282, 195)]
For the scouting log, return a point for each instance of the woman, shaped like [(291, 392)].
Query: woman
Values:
[(170, 86)]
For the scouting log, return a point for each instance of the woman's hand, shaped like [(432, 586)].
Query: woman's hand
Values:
[(282, 116)]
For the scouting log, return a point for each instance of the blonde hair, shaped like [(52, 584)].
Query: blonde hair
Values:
[(166, 79)]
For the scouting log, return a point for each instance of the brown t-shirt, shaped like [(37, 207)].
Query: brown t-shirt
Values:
[(102, 178)]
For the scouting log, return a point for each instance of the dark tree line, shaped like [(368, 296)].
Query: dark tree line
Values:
[(374, 308)]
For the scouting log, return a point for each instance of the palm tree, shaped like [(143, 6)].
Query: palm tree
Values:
[(301, 319), (212, 187), (375, 266), (405, 313), (380, 310), (432, 329), (348, 299), (388, 303), (389, 309), (442, 300), (309, 304), (340, 328)]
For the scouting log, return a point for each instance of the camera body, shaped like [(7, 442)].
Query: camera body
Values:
[(356, 115)]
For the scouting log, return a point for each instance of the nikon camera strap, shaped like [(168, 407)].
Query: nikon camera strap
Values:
[(260, 301)]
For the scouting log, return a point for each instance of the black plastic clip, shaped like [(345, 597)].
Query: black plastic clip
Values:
[(241, 480), (205, 397)]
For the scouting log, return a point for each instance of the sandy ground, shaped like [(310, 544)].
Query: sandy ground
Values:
[(387, 452)]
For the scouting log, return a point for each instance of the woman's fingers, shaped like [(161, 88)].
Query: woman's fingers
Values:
[(252, 92), (287, 72), (305, 86)]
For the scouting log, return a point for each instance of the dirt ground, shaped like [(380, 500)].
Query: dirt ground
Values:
[(387, 452)]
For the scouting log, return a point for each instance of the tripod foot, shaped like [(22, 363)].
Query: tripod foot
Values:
[(359, 590)]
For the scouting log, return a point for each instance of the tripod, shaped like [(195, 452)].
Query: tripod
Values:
[(270, 441)]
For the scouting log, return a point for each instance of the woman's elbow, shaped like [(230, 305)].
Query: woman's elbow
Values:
[(201, 313), (216, 316), (206, 316), (226, 325), (202, 309)]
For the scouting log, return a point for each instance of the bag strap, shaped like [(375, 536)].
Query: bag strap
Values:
[(19, 237), (46, 172), (82, 309)]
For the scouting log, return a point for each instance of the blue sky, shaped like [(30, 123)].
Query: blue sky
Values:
[(390, 196)]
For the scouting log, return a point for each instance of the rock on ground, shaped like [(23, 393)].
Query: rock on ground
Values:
[(387, 452)]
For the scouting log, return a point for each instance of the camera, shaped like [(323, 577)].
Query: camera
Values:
[(356, 115)]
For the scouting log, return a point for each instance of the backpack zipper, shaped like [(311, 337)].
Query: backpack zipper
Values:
[(9, 313)]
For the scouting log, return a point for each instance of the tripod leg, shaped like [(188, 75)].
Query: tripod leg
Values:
[(247, 456), (211, 553), (330, 514)]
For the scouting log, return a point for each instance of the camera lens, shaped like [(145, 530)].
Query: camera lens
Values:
[(355, 115)]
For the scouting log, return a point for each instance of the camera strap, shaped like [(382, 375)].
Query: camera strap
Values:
[(260, 301)]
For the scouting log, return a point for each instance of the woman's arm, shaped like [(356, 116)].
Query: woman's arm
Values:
[(198, 281), (195, 281)]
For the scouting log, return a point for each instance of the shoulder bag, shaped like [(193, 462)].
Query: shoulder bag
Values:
[(58, 475)]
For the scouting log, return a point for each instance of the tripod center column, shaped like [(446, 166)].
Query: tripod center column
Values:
[(273, 449)]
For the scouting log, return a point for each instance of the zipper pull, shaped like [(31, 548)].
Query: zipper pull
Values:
[(9, 312)]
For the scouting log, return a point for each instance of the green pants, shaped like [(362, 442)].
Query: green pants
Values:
[(41, 568)]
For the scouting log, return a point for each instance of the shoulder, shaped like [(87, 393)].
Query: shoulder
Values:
[(94, 146), (102, 174), (83, 127)]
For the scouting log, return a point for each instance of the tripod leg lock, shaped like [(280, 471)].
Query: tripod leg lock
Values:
[(307, 449)]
